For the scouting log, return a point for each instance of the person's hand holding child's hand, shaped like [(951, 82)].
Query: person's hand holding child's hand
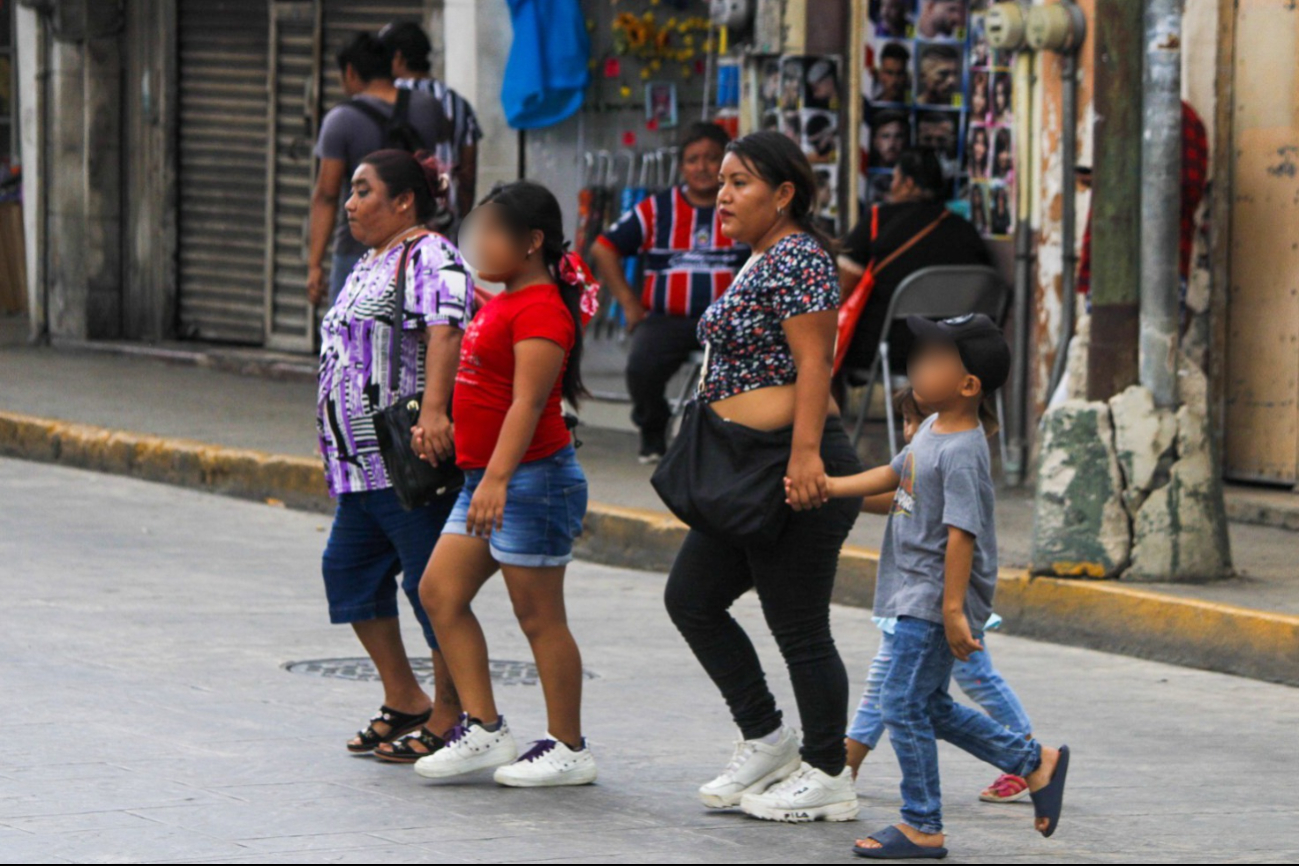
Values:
[(825, 483)]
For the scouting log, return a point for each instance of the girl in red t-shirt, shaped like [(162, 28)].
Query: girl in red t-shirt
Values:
[(525, 495)]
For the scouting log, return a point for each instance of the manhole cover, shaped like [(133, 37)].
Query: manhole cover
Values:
[(507, 673)]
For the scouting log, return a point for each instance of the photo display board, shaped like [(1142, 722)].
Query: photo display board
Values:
[(801, 96), (932, 80)]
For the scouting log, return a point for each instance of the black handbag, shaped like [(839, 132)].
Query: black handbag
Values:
[(415, 481), (724, 479)]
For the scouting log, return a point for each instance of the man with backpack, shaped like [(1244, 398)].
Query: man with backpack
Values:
[(458, 151), (376, 116)]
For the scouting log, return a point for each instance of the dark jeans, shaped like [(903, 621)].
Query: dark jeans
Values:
[(794, 577), (659, 346)]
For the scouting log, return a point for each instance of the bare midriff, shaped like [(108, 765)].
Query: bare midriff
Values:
[(770, 408)]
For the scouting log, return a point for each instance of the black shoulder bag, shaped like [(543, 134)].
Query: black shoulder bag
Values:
[(415, 481), (724, 479)]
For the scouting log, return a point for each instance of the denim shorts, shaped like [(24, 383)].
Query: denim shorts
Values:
[(373, 540), (545, 504)]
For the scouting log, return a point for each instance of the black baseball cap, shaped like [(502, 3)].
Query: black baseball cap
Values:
[(977, 338)]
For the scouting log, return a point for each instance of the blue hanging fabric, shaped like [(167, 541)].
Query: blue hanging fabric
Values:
[(548, 70)]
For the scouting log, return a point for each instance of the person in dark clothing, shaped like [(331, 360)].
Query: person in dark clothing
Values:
[(915, 201)]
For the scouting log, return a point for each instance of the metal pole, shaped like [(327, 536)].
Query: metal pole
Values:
[(1017, 463), (1068, 219), (1161, 173)]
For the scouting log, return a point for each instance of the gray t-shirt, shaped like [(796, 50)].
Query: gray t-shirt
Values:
[(349, 134), (946, 482)]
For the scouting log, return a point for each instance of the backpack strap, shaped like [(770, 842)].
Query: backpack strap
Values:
[(401, 108), (369, 111)]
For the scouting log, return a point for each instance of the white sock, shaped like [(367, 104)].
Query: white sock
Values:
[(772, 738)]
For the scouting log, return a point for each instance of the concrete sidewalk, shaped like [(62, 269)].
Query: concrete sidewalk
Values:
[(181, 737), (275, 413), (253, 436)]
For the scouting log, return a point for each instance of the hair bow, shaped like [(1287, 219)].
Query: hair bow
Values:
[(574, 271)]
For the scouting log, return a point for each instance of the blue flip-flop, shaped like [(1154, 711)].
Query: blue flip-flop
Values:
[(894, 845), (1049, 801)]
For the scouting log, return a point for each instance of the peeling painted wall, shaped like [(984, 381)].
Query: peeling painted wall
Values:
[(1048, 203)]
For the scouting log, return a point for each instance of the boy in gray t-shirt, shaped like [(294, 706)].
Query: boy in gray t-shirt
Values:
[(937, 575)]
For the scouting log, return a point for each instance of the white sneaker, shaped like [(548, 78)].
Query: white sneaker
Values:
[(549, 764), (807, 795), (753, 767), (470, 747)]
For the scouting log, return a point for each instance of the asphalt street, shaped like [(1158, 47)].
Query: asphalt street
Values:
[(149, 717)]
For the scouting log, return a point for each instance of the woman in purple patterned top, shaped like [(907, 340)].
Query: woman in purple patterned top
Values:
[(374, 539)]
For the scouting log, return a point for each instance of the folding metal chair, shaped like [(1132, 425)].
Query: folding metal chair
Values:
[(694, 368), (936, 293)]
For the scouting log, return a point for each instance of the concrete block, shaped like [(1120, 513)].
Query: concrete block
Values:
[(1192, 383), (1181, 530), (1081, 528), (1144, 442)]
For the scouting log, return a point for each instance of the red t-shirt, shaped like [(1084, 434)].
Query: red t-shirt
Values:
[(485, 380)]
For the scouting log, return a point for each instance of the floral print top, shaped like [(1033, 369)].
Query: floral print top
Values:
[(747, 348)]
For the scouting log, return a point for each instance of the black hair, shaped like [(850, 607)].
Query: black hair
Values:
[(895, 51), (939, 51), (818, 123), (905, 403), (411, 40), (419, 173), (703, 131), (890, 115), (368, 56), (777, 160), (921, 165), (528, 206)]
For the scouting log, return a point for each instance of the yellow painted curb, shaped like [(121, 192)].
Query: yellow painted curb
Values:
[(1094, 614), (296, 481)]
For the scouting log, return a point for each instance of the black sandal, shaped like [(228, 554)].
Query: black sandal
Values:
[(399, 724), (401, 752)]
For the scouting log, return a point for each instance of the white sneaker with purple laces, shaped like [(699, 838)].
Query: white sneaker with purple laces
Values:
[(549, 764), (470, 747)]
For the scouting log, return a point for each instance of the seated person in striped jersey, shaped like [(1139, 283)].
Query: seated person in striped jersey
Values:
[(688, 263)]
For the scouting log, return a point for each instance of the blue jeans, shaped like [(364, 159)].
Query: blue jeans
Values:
[(372, 541), (918, 711), (340, 268), (545, 504), (977, 678)]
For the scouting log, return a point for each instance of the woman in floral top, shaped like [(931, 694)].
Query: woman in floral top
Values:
[(770, 342), (373, 538)]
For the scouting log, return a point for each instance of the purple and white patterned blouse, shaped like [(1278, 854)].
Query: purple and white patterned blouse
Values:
[(354, 352), (747, 348)]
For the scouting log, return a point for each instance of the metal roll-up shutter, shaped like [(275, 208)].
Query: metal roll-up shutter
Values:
[(222, 180), (294, 79)]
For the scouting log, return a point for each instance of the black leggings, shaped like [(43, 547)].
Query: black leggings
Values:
[(794, 578)]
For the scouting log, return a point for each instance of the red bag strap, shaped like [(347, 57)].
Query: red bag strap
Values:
[(875, 269)]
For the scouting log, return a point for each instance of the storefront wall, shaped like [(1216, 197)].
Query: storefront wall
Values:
[(1262, 375)]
